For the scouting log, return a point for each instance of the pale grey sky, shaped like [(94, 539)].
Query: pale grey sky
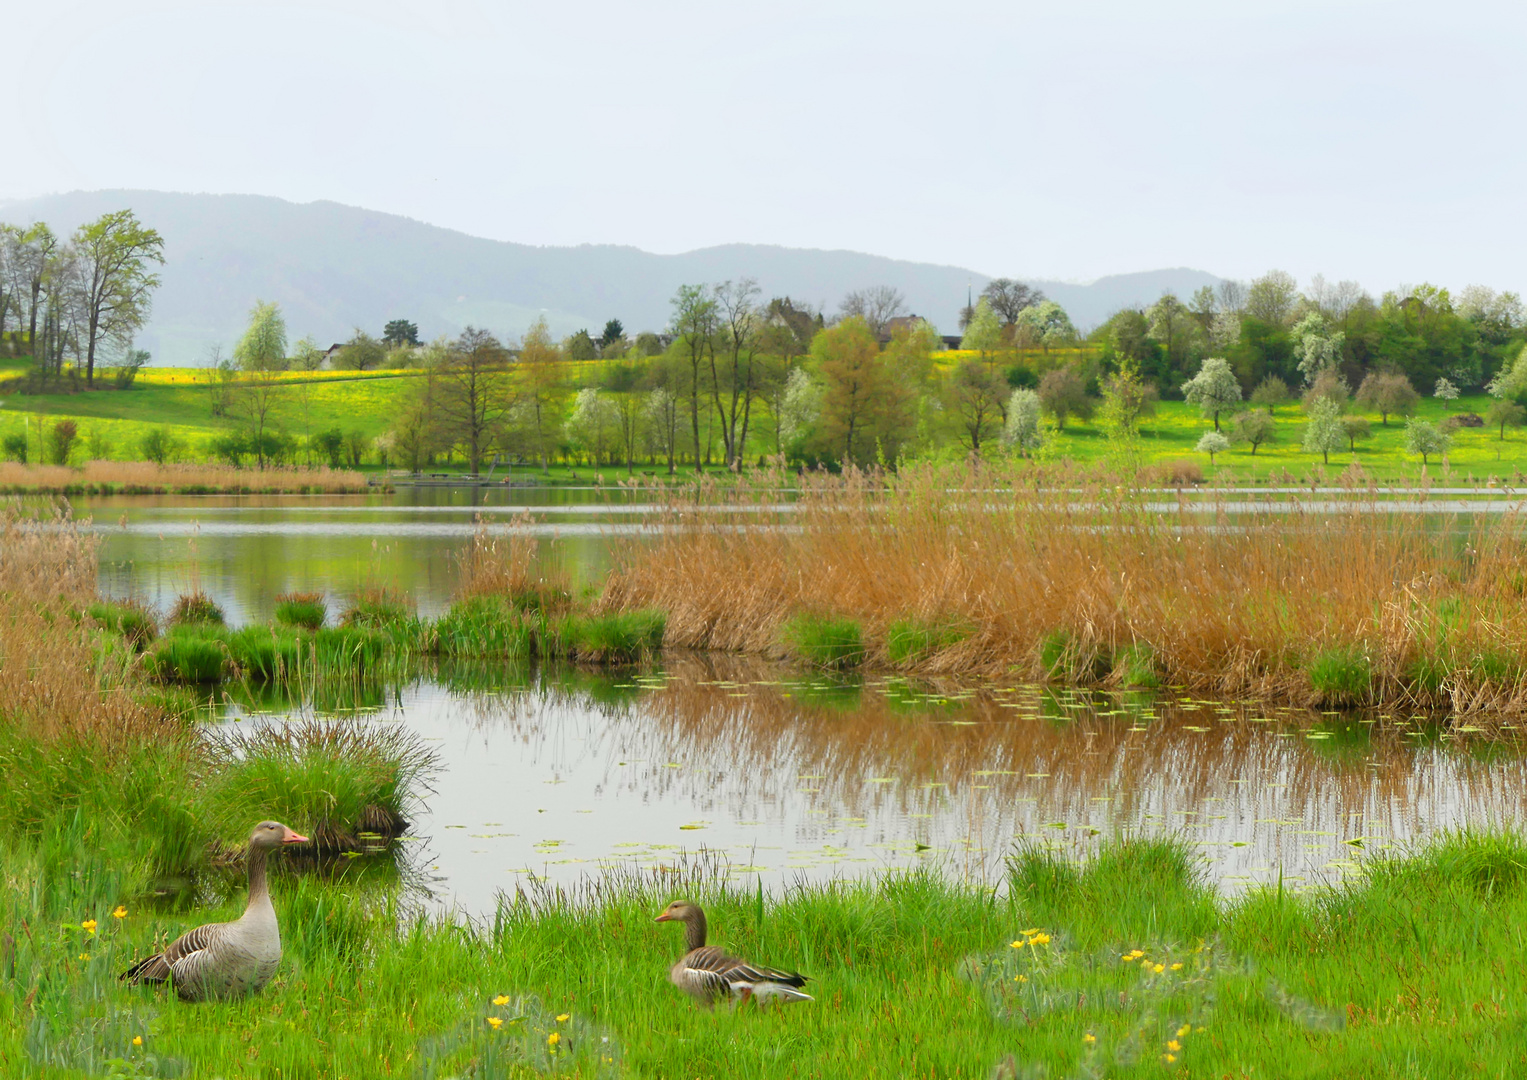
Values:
[(1376, 141)]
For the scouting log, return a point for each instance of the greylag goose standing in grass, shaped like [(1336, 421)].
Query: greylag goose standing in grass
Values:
[(231, 959), (708, 974)]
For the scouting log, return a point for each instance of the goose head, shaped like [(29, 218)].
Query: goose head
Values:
[(273, 834), (681, 911)]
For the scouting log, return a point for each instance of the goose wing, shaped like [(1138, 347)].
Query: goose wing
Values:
[(715, 973), (180, 958)]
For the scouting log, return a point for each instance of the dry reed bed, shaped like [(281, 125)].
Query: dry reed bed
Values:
[(1023, 565), (54, 681), (147, 478)]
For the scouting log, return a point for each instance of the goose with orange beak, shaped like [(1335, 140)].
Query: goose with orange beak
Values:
[(709, 974), (231, 959)]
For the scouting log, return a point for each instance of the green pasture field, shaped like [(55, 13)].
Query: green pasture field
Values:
[(179, 398)]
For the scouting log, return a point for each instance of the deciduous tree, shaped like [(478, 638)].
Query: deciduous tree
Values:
[(538, 393), (110, 260), (1324, 433), (695, 322), (261, 357), (1008, 298), (1270, 393), (859, 410), (976, 398), (1254, 427), (1501, 413), (1355, 427), (877, 306), (1387, 393), (1211, 443), (1063, 393), (472, 393), (1214, 389), (1425, 438), (1023, 431)]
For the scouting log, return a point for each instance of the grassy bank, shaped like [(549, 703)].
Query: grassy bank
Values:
[(1089, 578), (1124, 965)]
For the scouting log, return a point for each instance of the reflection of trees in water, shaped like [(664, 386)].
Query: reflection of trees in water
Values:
[(311, 546), (994, 762)]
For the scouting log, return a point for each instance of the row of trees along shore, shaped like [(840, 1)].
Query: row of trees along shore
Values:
[(736, 375)]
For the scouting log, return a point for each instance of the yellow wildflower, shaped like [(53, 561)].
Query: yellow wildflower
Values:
[(1174, 1046), (494, 1022), (1040, 939), (1020, 978), (1183, 1031), (84, 956), (1176, 967), (1135, 954), (88, 924), (1159, 968), (1031, 933), (120, 913), (137, 1040), (1168, 1058), (1089, 1038), (553, 1039), (502, 999), (564, 1018), (1016, 944)]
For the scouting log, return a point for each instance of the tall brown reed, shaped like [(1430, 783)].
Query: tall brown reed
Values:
[(54, 679), (1226, 593), (508, 564)]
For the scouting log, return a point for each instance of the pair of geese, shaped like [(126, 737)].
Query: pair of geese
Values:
[(232, 959)]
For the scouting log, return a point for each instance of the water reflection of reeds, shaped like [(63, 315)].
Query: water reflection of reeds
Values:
[(968, 771)]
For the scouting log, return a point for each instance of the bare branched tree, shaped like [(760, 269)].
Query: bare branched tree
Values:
[(877, 306), (1008, 298)]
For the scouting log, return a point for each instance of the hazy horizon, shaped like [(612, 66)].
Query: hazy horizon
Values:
[(1356, 139)]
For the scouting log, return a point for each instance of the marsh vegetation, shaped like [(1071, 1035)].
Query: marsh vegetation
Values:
[(1047, 723)]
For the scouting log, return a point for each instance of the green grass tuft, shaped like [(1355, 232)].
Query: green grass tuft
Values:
[(306, 611), (190, 653), (196, 607), (485, 626), (908, 640), (617, 637), (825, 641), (133, 621), (1342, 676), (1134, 666)]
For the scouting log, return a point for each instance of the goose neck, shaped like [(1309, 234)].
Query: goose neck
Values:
[(694, 930)]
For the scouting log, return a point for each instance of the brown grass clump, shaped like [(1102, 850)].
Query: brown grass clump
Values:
[(147, 478), (54, 679), (507, 564), (1052, 574)]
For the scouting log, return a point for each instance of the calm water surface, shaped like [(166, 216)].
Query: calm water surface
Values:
[(790, 775)]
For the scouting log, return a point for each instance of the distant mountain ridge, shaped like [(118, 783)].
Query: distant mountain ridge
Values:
[(333, 267)]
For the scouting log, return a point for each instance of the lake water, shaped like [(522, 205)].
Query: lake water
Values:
[(786, 773)]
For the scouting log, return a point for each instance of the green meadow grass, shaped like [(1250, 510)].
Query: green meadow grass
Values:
[(1124, 965)]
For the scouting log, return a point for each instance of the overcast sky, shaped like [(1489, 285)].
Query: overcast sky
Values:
[(1367, 140)]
